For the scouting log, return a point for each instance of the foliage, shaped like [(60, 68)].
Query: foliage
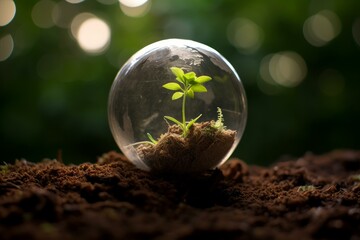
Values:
[(219, 124), (190, 84), (152, 140), (58, 99), (4, 169)]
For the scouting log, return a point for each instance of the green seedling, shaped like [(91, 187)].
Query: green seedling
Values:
[(152, 140), (219, 124), (306, 188), (216, 126), (4, 169), (189, 85)]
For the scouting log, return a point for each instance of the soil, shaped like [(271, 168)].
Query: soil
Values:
[(204, 148), (313, 197)]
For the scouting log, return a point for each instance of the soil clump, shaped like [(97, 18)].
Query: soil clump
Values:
[(312, 197), (203, 148)]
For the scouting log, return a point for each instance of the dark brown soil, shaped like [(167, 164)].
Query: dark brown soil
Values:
[(203, 148), (313, 197)]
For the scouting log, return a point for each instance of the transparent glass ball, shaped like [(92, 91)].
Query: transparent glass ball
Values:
[(154, 126)]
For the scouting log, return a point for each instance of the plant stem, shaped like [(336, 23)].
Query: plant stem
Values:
[(183, 110)]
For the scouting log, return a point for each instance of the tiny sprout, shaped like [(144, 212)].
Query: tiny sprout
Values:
[(151, 138), (4, 169), (355, 177), (190, 84), (306, 188), (219, 124)]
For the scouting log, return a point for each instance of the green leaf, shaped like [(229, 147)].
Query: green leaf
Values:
[(151, 138), (198, 88), (180, 80), (203, 79), (172, 86), (190, 93), (191, 123), (178, 72), (174, 120), (177, 95), (190, 76)]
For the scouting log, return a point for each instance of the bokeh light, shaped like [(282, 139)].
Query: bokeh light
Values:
[(7, 11), (135, 8), (43, 39), (6, 47), (42, 13), (356, 31), (133, 3), (74, 1), (321, 28), (93, 35), (286, 69), (245, 35), (78, 21), (63, 13)]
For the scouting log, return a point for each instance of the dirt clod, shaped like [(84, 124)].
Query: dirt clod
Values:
[(203, 148), (313, 197)]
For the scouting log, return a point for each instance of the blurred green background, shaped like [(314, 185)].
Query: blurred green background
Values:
[(299, 61)]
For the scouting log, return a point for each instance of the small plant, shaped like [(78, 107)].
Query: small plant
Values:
[(199, 146), (4, 169), (190, 84), (219, 124), (152, 140), (306, 188)]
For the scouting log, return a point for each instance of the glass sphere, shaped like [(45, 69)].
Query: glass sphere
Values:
[(177, 106)]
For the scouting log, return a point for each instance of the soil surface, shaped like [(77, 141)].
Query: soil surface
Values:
[(313, 197), (204, 148)]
